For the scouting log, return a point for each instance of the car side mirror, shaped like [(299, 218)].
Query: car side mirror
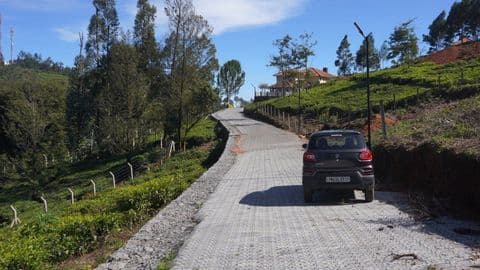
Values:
[(305, 146)]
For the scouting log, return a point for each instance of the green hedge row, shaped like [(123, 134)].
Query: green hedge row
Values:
[(52, 239)]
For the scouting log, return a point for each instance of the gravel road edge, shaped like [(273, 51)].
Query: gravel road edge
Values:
[(166, 232)]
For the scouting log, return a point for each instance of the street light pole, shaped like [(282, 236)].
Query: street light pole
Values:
[(299, 110), (369, 143)]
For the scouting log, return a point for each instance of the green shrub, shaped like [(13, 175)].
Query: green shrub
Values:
[(50, 239)]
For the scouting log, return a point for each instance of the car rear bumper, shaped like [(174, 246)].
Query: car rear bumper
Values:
[(318, 181)]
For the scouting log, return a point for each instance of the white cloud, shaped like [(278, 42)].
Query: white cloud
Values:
[(230, 15), (233, 14), (67, 34), (43, 5)]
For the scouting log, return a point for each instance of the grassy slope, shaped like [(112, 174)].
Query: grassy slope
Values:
[(348, 95), (454, 126), (43, 240), (50, 78)]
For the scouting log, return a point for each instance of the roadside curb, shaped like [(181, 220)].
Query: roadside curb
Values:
[(167, 231)]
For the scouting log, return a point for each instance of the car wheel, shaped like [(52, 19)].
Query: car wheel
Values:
[(369, 193), (307, 196)]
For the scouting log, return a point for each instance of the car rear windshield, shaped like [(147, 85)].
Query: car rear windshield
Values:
[(335, 141)]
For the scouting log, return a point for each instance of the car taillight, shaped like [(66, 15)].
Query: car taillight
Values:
[(366, 155), (309, 157)]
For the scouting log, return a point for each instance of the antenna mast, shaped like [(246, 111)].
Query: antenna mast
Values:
[(1, 55), (11, 45), (12, 31)]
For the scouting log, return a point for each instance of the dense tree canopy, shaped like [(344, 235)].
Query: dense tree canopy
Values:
[(144, 35), (403, 44), (119, 90), (230, 78), (189, 55), (103, 29), (283, 61), (437, 32), (32, 121), (361, 57), (35, 61), (344, 60), (462, 21)]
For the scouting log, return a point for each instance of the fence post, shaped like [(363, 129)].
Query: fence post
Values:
[(394, 103), (172, 149), (131, 170), (113, 178), (94, 187), (384, 125), (289, 126), (44, 204), (46, 160), (72, 196), (15, 220)]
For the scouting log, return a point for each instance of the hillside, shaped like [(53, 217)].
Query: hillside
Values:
[(433, 152), (101, 222), (397, 87), (453, 126), (13, 72), (462, 51)]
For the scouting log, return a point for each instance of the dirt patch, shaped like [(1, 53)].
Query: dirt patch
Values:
[(376, 122), (463, 51), (206, 146), (236, 148)]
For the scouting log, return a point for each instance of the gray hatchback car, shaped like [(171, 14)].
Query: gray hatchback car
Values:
[(337, 160)]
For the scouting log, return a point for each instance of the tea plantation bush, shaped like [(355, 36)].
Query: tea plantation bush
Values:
[(47, 239)]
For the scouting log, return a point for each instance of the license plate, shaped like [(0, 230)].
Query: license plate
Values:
[(337, 179)]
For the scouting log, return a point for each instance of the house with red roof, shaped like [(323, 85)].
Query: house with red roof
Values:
[(292, 80)]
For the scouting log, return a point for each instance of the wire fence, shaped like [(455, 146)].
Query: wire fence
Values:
[(305, 124), (115, 175)]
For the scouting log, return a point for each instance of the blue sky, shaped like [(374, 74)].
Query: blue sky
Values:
[(243, 29)]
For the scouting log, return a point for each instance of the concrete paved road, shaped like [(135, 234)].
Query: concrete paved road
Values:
[(256, 219)]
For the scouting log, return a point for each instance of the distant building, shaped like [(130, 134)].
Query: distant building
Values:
[(290, 81), (461, 41)]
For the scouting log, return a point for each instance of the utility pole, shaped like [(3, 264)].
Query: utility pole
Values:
[(1, 55), (368, 82), (11, 44)]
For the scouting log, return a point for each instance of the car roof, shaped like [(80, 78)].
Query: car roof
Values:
[(334, 131)]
